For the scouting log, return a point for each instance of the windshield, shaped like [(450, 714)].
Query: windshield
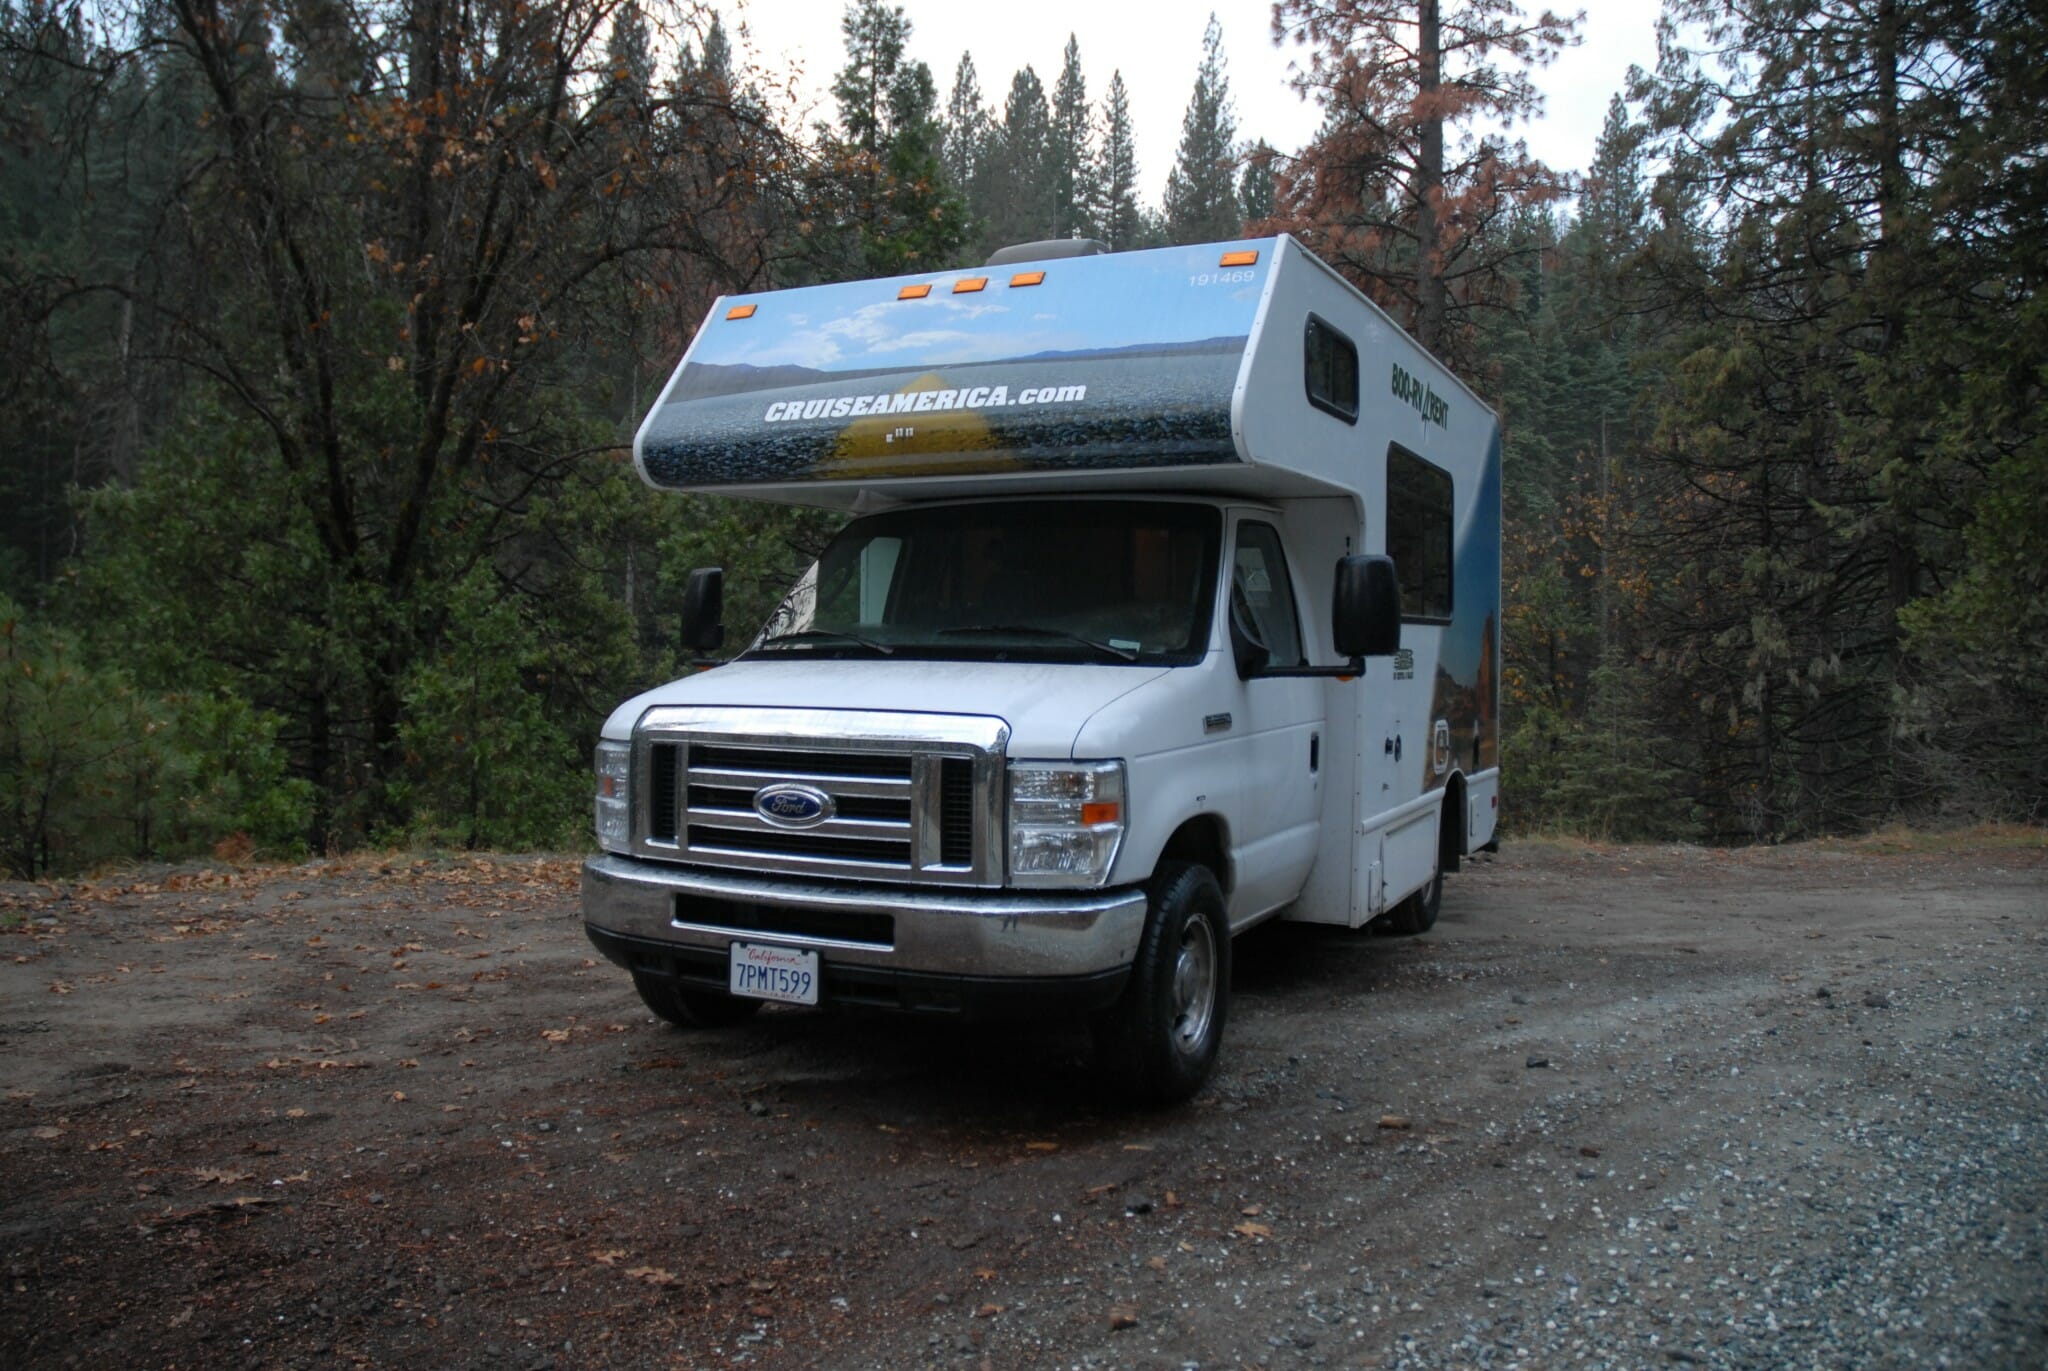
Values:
[(1074, 581)]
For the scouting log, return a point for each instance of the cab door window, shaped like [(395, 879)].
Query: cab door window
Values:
[(1262, 593)]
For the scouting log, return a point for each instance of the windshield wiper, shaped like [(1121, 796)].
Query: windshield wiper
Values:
[(1034, 631), (802, 635)]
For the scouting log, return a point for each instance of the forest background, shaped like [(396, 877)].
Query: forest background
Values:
[(327, 324)]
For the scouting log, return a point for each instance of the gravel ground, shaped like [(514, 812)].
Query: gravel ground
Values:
[(1621, 1108)]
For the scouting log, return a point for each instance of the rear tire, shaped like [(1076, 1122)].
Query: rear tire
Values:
[(691, 1008), (1417, 913), (1158, 1043)]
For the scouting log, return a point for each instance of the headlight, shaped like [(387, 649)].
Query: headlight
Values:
[(1066, 820), (614, 766)]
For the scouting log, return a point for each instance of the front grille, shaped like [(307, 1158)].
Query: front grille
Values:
[(661, 785), (956, 811), (790, 762), (709, 839), (900, 808), (738, 916)]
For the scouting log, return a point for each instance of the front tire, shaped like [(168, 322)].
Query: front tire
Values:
[(691, 1008), (1158, 1043)]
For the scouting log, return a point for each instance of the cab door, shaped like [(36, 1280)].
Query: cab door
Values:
[(1279, 720)]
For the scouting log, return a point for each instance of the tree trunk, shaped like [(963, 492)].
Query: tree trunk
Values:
[(1429, 180)]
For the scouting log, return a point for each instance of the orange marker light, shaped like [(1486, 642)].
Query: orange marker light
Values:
[(1028, 278), (967, 285), (741, 312), (1240, 259), (1100, 812), (914, 292)]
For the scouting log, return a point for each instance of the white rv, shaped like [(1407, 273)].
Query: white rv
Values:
[(1169, 604)]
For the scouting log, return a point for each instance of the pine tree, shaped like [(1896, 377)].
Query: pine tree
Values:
[(1070, 158), (1383, 192), (965, 154), (1257, 194), (875, 37), (716, 55), (1021, 195), (887, 148), (1201, 192), (1118, 220)]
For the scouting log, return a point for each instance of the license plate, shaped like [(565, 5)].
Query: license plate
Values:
[(774, 973)]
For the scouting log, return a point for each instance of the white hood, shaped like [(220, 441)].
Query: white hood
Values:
[(1045, 704)]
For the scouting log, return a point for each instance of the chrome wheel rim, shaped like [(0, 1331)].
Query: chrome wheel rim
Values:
[(1194, 986)]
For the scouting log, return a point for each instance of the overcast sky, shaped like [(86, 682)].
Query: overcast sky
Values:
[(1157, 46)]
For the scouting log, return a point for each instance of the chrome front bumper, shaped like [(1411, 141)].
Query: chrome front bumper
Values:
[(971, 934)]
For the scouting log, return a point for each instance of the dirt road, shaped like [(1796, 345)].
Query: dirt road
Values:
[(1624, 1107)]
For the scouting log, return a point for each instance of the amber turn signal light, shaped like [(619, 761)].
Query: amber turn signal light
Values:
[(1027, 278), (741, 312), (914, 292), (1240, 259)]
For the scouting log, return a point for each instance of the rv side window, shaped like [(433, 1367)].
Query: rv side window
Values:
[(1259, 583), (1330, 365), (1419, 535)]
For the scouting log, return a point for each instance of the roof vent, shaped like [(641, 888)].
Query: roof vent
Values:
[(1049, 250)]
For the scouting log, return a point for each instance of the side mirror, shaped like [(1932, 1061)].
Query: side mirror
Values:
[(1366, 608), (704, 610)]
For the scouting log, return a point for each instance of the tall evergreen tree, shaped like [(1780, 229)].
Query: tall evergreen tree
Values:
[(1201, 190), (1021, 204), (1118, 218), (1384, 192), (887, 147), (1257, 194), (968, 135), (1070, 156)]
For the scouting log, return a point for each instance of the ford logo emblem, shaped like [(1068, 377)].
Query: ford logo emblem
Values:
[(789, 805)]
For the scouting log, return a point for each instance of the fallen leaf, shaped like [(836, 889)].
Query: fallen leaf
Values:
[(46, 1132), (398, 1097), (555, 1035), (608, 1256), (653, 1275), (1394, 1121), (220, 1175), (1122, 1316), (1252, 1211), (1156, 1263), (988, 1311), (295, 1113), (1041, 1147), (1249, 1229), (59, 988)]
